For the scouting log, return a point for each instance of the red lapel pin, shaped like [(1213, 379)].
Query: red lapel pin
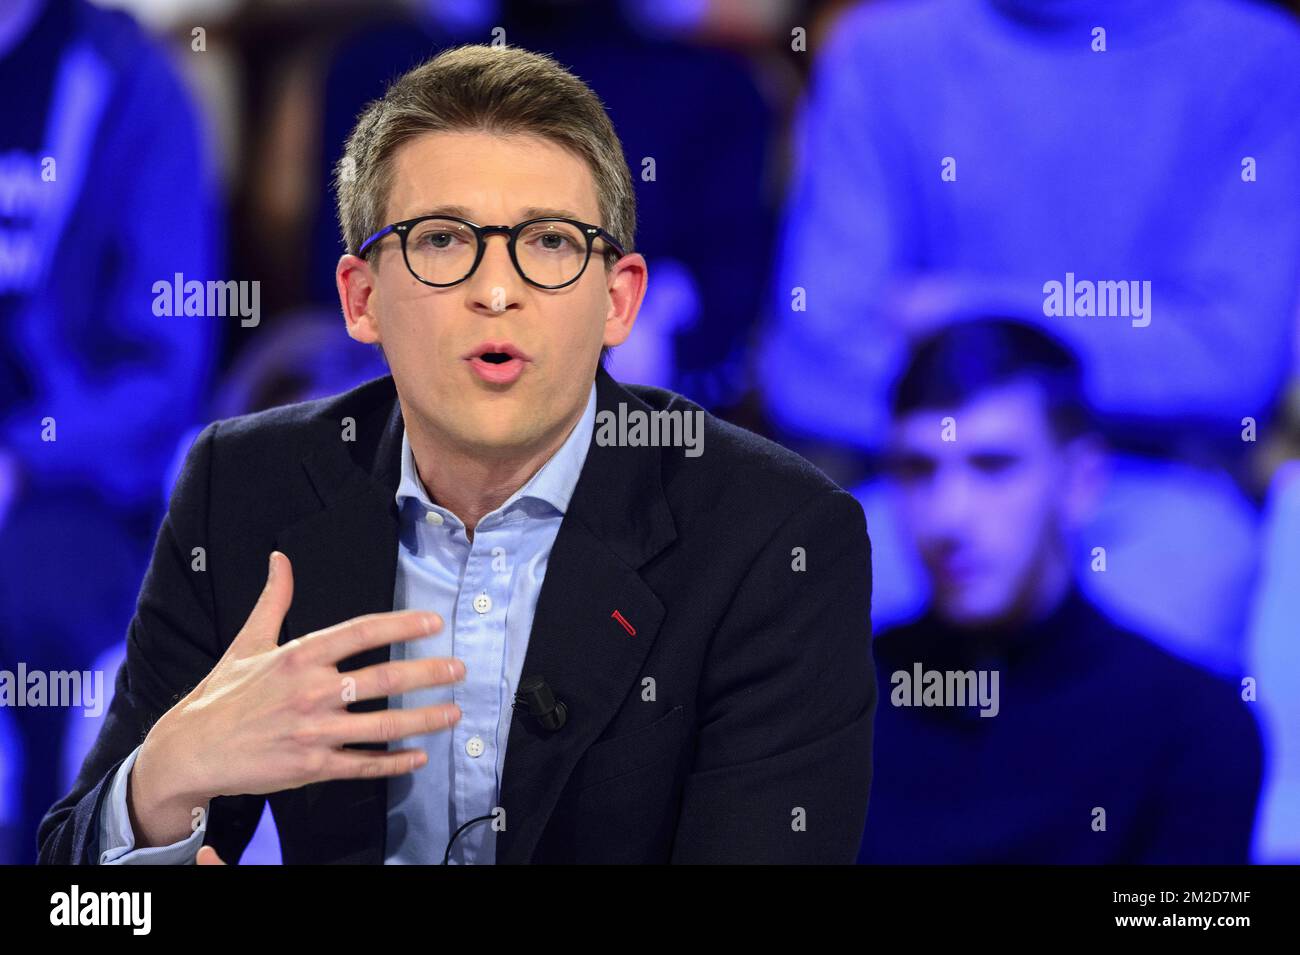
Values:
[(631, 630)]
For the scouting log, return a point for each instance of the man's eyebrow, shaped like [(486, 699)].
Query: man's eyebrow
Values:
[(532, 212), (460, 212)]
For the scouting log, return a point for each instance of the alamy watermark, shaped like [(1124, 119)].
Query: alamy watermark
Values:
[(63, 688), (1085, 298), (211, 299), (656, 429), (130, 909), (921, 687)]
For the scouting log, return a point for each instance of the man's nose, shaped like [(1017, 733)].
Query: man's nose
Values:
[(495, 285), (951, 499)]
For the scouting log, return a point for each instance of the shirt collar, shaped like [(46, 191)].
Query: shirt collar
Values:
[(553, 483)]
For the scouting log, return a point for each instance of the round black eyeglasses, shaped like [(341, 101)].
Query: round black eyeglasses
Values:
[(549, 252)]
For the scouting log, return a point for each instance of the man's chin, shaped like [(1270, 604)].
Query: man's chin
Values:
[(970, 607), (496, 441)]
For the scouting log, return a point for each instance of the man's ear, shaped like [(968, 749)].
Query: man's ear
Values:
[(357, 294), (1087, 469), (626, 283)]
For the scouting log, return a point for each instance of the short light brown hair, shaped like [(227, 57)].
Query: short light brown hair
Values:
[(504, 90)]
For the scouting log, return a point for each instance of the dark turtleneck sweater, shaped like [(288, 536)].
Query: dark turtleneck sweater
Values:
[(1088, 716)]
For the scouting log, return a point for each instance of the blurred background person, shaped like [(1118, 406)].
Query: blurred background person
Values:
[(957, 155), (1096, 745), (11, 790), (105, 189), (1274, 667)]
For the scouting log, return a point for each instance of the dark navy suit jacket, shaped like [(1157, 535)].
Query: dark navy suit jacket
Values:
[(745, 573)]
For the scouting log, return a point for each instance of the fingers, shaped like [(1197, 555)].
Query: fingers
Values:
[(365, 633), (381, 726), (262, 629), (367, 764), (401, 676), (208, 856)]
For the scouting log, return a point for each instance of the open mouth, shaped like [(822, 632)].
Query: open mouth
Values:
[(497, 363)]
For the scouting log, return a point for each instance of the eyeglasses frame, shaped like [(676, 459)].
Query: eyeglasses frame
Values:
[(481, 233)]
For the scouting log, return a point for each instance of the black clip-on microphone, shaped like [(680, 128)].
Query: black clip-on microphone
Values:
[(536, 697)]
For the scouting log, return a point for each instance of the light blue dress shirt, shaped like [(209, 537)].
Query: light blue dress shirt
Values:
[(486, 593)]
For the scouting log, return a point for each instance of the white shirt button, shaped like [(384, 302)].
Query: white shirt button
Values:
[(482, 603), (474, 746), (434, 518)]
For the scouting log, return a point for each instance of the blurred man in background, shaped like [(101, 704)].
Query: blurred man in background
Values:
[(1089, 744), (105, 189), (956, 157)]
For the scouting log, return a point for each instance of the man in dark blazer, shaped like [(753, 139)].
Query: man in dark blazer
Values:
[(702, 621)]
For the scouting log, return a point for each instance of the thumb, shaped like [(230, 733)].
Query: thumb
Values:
[(207, 856), (262, 629)]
